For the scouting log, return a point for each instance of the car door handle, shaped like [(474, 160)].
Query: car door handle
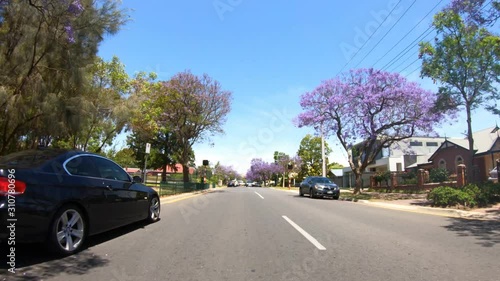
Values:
[(109, 187)]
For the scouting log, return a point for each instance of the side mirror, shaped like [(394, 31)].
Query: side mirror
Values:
[(137, 179)]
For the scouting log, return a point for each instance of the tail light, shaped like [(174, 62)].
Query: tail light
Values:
[(11, 186)]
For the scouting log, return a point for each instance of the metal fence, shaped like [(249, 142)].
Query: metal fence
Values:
[(172, 188)]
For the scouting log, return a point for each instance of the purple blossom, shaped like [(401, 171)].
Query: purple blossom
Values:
[(476, 12), (367, 104)]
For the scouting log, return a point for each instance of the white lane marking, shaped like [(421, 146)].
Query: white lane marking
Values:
[(305, 234), (259, 194)]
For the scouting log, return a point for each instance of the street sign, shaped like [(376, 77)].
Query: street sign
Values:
[(148, 148)]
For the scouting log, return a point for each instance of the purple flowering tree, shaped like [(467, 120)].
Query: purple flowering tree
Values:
[(261, 170), (191, 108), (476, 12), (368, 110)]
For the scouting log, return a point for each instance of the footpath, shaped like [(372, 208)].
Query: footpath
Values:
[(423, 206)]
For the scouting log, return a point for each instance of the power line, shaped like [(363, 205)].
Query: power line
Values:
[(404, 13), (408, 33), (371, 35), (407, 49), (413, 71), (410, 64)]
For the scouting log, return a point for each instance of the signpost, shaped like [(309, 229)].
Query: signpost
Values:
[(148, 150)]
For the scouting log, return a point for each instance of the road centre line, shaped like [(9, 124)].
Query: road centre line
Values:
[(305, 234), (259, 194)]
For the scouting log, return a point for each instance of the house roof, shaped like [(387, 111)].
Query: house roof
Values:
[(483, 141)]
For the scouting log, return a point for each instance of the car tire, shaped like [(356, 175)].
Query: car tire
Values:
[(311, 193), (300, 192), (336, 197), (154, 210), (68, 231)]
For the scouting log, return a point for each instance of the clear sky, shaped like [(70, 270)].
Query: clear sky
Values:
[(268, 53)]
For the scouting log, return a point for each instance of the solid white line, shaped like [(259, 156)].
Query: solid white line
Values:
[(305, 234), (259, 194)]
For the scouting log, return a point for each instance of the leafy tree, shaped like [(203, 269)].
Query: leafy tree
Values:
[(45, 48), (464, 59), (164, 146), (368, 110), (476, 12), (192, 108), (311, 156), (261, 170), (125, 157)]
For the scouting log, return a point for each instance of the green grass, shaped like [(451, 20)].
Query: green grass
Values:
[(350, 196)]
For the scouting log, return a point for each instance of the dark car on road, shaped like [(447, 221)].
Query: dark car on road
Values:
[(317, 186), (61, 197)]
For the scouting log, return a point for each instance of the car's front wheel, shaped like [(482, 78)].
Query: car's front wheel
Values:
[(311, 193), (67, 231), (154, 209)]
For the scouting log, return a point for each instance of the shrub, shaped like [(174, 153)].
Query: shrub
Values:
[(439, 175), (445, 196)]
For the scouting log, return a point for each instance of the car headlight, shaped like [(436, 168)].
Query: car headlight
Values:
[(319, 187)]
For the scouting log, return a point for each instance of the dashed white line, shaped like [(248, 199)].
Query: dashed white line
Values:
[(305, 234), (259, 194)]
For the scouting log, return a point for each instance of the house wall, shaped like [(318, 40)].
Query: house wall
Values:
[(450, 155)]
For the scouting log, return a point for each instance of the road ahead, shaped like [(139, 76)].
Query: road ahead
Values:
[(265, 234)]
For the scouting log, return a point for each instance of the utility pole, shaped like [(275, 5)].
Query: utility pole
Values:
[(148, 150), (323, 162)]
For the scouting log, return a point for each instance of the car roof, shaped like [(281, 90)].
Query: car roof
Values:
[(33, 158)]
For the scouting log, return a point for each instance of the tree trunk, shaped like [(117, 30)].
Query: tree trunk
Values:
[(164, 173), (185, 173), (470, 161), (359, 182)]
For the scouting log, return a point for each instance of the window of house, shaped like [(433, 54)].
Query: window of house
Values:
[(432, 143), (459, 160), (416, 143), (442, 164)]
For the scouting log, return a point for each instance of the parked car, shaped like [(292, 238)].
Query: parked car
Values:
[(317, 186), (62, 197), (241, 183), (232, 183)]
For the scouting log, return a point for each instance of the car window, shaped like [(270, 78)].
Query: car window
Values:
[(82, 166), (109, 170)]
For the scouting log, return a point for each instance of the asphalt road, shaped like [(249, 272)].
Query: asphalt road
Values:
[(264, 234)]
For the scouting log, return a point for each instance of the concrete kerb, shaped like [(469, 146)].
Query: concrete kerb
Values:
[(433, 211), (453, 213), (174, 198)]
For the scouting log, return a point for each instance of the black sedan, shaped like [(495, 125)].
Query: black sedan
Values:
[(317, 186), (61, 197)]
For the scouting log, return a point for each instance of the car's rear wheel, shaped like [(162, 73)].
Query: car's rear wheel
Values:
[(154, 209), (67, 231), (336, 197), (300, 192)]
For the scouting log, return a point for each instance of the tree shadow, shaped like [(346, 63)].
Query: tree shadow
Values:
[(487, 232), (35, 262)]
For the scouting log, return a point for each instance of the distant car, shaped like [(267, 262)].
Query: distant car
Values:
[(317, 186), (256, 184), (232, 183), (249, 183), (62, 197), (241, 183)]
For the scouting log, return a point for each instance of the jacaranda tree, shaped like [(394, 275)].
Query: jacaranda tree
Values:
[(368, 110)]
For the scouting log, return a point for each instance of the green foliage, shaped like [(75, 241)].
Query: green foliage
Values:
[(439, 175), (445, 196), (470, 195), (45, 78), (310, 153), (382, 177)]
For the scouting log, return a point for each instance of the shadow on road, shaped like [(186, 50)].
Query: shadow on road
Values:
[(486, 232), (35, 262)]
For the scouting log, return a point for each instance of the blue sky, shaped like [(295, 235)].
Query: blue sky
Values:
[(268, 53)]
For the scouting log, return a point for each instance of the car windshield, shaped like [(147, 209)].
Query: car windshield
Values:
[(321, 180)]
